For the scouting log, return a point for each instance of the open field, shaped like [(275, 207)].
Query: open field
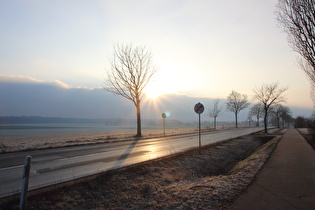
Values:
[(211, 180), (23, 143)]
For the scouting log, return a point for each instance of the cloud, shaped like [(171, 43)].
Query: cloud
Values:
[(17, 79), (61, 84), (30, 80), (26, 96), (30, 97)]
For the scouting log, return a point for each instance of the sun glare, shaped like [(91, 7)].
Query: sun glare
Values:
[(153, 90), (159, 87), (152, 93)]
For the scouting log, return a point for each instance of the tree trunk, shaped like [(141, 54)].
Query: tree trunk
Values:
[(235, 119), (215, 123), (138, 119), (257, 123), (278, 119), (265, 120)]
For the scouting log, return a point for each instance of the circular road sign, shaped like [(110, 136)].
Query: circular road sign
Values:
[(199, 108), (163, 115)]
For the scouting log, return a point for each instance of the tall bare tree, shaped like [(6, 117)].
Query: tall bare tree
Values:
[(236, 102), (256, 111), (269, 94), (130, 71), (215, 112), (298, 21)]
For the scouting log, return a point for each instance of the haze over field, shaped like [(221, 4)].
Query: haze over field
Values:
[(53, 55)]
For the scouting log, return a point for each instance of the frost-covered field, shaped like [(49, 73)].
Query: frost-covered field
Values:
[(33, 142)]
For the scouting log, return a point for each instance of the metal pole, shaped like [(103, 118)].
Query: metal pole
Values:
[(164, 125), (199, 135), (26, 175)]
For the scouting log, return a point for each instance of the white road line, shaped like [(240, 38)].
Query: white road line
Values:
[(12, 167)]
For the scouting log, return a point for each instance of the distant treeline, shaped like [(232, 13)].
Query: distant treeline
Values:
[(38, 120)]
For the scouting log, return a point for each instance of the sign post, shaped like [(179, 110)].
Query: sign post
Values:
[(164, 116), (199, 108)]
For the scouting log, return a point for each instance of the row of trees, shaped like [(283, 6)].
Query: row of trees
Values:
[(298, 20), (131, 69), (302, 122), (280, 115), (269, 97)]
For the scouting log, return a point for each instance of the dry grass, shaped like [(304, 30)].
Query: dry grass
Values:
[(211, 180), (309, 135)]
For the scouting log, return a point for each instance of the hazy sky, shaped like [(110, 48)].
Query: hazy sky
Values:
[(203, 48)]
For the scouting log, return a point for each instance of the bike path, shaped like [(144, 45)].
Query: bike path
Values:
[(287, 180)]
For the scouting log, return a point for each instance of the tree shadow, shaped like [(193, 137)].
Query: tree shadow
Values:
[(120, 161)]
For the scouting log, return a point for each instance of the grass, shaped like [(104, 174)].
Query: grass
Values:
[(309, 135), (211, 180)]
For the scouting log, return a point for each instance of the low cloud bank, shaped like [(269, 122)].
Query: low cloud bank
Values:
[(25, 96)]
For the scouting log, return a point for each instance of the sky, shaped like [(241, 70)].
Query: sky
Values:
[(202, 49)]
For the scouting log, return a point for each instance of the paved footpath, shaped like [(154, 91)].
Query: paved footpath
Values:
[(287, 181)]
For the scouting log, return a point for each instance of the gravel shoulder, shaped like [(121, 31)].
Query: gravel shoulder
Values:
[(213, 179)]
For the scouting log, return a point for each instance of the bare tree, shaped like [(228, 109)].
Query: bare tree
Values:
[(298, 21), (281, 114), (215, 112), (276, 110), (269, 94), (300, 122), (286, 116), (256, 111), (313, 93), (250, 120), (236, 102), (130, 71)]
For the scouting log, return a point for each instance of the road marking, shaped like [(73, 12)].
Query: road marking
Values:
[(12, 167)]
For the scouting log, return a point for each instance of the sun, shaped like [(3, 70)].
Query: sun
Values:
[(159, 87), (152, 92)]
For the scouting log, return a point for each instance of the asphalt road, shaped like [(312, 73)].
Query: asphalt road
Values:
[(51, 166)]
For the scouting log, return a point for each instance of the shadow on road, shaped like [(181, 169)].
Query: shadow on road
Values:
[(120, 161)]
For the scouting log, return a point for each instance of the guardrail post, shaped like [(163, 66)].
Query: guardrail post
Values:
[(26, 175)]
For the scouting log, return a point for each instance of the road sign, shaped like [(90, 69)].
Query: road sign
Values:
[(163, 115), (199, 108)]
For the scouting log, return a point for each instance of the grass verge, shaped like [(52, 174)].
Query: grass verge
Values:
[(309, 135)]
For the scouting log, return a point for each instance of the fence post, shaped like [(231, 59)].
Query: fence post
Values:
[(26, 175)]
